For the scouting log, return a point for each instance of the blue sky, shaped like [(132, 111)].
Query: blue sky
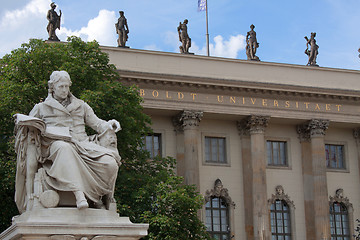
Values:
[(280, 25)]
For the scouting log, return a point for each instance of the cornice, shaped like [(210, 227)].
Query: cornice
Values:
[(240, 87)]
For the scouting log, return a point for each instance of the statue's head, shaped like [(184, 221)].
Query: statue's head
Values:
[(121, 13), (53, 5), (186, 21), (56, 77), (252, 26)]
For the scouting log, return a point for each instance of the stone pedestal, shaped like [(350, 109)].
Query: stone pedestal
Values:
[(73, 224)]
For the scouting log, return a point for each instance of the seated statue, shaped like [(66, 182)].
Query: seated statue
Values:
[(55, 154)]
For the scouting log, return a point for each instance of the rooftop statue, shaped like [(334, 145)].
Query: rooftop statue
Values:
[(122, 30), (251, 44), (184, 37), (359, 52), (313, 52), (57, 159), (54, 22)]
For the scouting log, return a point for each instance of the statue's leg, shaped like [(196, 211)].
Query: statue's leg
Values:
[(31, 166)]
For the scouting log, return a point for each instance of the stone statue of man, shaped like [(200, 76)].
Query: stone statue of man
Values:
[(251, 44), (313, 52), (184, 37), (54, 22), (122, 30), (67, 159)]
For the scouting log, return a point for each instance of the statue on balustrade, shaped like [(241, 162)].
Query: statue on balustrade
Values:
[(184, 37), (251, 44), (122, 29), (313, 52), (58, 164), (54, 22)]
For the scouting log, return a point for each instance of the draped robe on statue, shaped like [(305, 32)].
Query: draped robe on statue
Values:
[(79, 164)]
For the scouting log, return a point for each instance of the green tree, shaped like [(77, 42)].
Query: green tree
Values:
[(147, 190)]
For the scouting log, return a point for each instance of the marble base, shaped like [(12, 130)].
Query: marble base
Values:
[(73, 224)]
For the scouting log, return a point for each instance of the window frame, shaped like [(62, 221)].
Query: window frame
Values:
[(226, 149), (160, 142), (219, 210), (287, 155), (333, 218), (274, 211), (344, 154)]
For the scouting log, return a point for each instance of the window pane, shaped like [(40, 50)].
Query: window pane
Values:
[(217, 211), (335, 156), (276, 153), (280, 220), (215, 150)]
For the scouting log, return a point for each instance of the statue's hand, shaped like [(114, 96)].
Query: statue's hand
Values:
[(114, 124)]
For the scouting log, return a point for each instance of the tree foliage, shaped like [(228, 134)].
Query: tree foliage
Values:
[(147, 190)]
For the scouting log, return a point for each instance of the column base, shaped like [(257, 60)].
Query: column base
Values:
[(73, 224)]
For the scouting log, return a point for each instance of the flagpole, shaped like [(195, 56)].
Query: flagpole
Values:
[(207, 30)]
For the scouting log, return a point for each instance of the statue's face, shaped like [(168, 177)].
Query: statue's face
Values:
[(108, 139), (61, 89)]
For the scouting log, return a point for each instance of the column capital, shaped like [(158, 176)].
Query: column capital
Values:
[(317, 127), (187, 119), (356, 134), (253, 124), (304, 132)]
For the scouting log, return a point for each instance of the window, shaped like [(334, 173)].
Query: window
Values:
[(335, 156), (276, 153), (280, 220), (339, 222), (152, 143), (217, 218), (215, 150)]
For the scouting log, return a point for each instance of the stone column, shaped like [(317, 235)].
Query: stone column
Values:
[(356, 133), (315, 187), (308, 178), (188, 121), (256, 126), (247, 178)]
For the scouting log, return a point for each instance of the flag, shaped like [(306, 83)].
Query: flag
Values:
[(202, 5)]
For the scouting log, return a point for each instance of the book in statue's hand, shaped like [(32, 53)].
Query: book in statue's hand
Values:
[(58, 133)]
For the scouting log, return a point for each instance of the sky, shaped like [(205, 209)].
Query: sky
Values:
[(281, 26)]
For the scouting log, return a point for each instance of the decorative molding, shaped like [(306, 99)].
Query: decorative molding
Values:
[(187, 118), (220, 192), (253, 124), (280, 195), (339, 197)]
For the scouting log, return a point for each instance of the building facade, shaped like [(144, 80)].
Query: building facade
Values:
[(273, 148)]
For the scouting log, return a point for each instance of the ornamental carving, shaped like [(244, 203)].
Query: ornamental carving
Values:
[(187, 118), (304, 132), (220, 192), (280, 195), (339, 197), (318, 127), (356, 133), (253, 124)]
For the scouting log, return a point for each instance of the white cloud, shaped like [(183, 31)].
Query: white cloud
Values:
[(18, 26), (223, 48), (100, 28)]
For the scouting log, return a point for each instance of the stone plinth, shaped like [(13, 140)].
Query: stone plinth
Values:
[(73, 224)]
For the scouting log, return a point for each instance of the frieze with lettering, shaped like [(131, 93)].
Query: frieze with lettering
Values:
[(228, 100)]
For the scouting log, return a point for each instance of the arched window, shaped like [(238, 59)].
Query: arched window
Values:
[(280, 220), (281, 215), (340, 217), (218, 212)]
